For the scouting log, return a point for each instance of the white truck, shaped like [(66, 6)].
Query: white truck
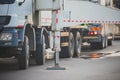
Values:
[(22, 36)]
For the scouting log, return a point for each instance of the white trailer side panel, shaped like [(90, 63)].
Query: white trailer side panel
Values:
[(76, 12)]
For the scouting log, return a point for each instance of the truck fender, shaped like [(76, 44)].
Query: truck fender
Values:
[(45, 33), (29, 31)]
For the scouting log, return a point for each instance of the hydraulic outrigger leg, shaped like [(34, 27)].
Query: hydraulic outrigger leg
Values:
[(56, 36)]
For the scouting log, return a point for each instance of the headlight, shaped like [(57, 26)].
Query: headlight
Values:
[(6, 36)]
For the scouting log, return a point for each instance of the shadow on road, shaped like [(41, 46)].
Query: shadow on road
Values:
[(10, 64)]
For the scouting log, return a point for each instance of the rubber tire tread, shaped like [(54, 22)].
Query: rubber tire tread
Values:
[(39, 53), (76, 37), (24, 56)]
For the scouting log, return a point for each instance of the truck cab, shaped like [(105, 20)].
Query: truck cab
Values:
[(20, 34), (15, 21), (13, 15)]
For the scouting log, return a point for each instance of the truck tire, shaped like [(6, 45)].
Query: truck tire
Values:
[(110, 42), (102, 44), (77, 43), (68, 51), (106, 42), (40, 49), (23, 58)]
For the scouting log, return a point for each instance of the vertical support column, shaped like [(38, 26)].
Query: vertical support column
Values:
[(56, 36)]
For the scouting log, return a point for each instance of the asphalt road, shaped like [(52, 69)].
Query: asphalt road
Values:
[(107, 67), (115, 48)]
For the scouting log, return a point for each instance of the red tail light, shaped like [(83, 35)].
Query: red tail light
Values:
[(93, 33)]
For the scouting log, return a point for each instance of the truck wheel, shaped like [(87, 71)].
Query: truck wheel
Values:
[(67, 52), (109, 42), (77, 43), (40, 49), (102, 43), (23, 58), (106, 42)]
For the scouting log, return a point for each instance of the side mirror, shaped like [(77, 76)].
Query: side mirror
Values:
[(21, 2)]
